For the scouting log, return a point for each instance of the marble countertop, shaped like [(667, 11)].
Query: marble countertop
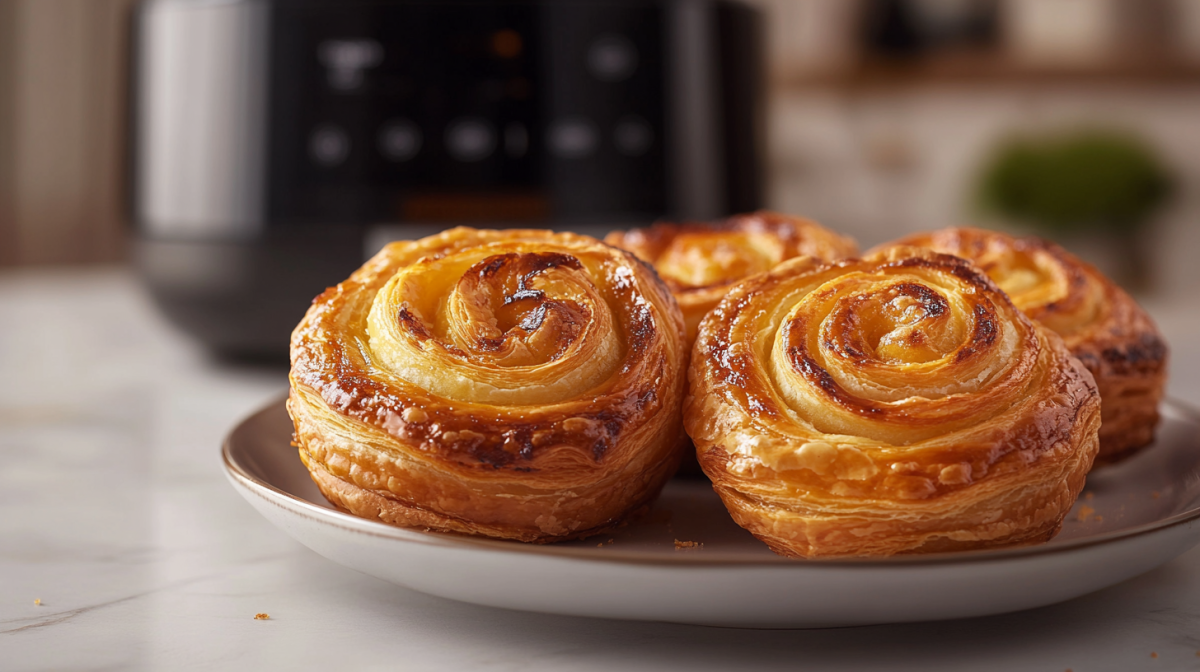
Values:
[(115, 514)]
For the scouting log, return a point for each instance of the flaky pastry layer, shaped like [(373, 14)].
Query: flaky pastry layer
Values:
[(701, 261), (1101, 324), (516, 384), (894, 404)]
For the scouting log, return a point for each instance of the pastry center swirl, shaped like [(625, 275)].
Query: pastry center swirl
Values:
[(508, 319), (1031, 279), (907, 350), (712, 258), (1060, 295), (903, 323), (510, 328)]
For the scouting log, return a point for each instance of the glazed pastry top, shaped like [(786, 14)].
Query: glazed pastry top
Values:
[(495, 350), (699, 262), (905, 375), (695, 256)]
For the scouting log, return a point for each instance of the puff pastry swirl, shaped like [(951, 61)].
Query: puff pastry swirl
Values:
[(516, 384), (894, 404), (1100, 323), (700, 262)]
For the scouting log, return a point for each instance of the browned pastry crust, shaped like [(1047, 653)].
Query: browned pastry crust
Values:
[(516, 384), (1100, 323), (894, 404), (700, 262)]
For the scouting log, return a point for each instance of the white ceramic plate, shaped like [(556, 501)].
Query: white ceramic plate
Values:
[(1139, 515)]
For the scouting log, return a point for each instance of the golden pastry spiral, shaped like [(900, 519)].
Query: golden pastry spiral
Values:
[(898, 403), (1101, 324), (700, 262), (517, 384)]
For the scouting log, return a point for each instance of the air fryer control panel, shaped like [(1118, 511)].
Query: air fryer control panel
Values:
[(466, 112)]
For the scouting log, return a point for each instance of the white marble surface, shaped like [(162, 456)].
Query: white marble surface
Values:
[(115, 514)]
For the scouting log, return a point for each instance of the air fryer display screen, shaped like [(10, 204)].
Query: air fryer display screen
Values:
[(467, 112)]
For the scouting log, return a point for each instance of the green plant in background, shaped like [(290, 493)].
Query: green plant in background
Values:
[(1079, 181)]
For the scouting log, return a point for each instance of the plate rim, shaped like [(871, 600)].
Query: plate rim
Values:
[(239, 473)]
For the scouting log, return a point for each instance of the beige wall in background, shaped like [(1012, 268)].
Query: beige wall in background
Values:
[(62, 130)]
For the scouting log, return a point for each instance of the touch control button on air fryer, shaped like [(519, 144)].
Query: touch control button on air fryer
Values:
[(612, 58), (329, 145), (345, 61), (399, 140), (572, 138), (470, 139), (633, 136)]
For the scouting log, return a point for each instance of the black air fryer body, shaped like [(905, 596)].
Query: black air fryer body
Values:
[(278, 142)]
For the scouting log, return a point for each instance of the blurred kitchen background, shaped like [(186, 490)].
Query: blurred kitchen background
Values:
[(1074, 119)]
